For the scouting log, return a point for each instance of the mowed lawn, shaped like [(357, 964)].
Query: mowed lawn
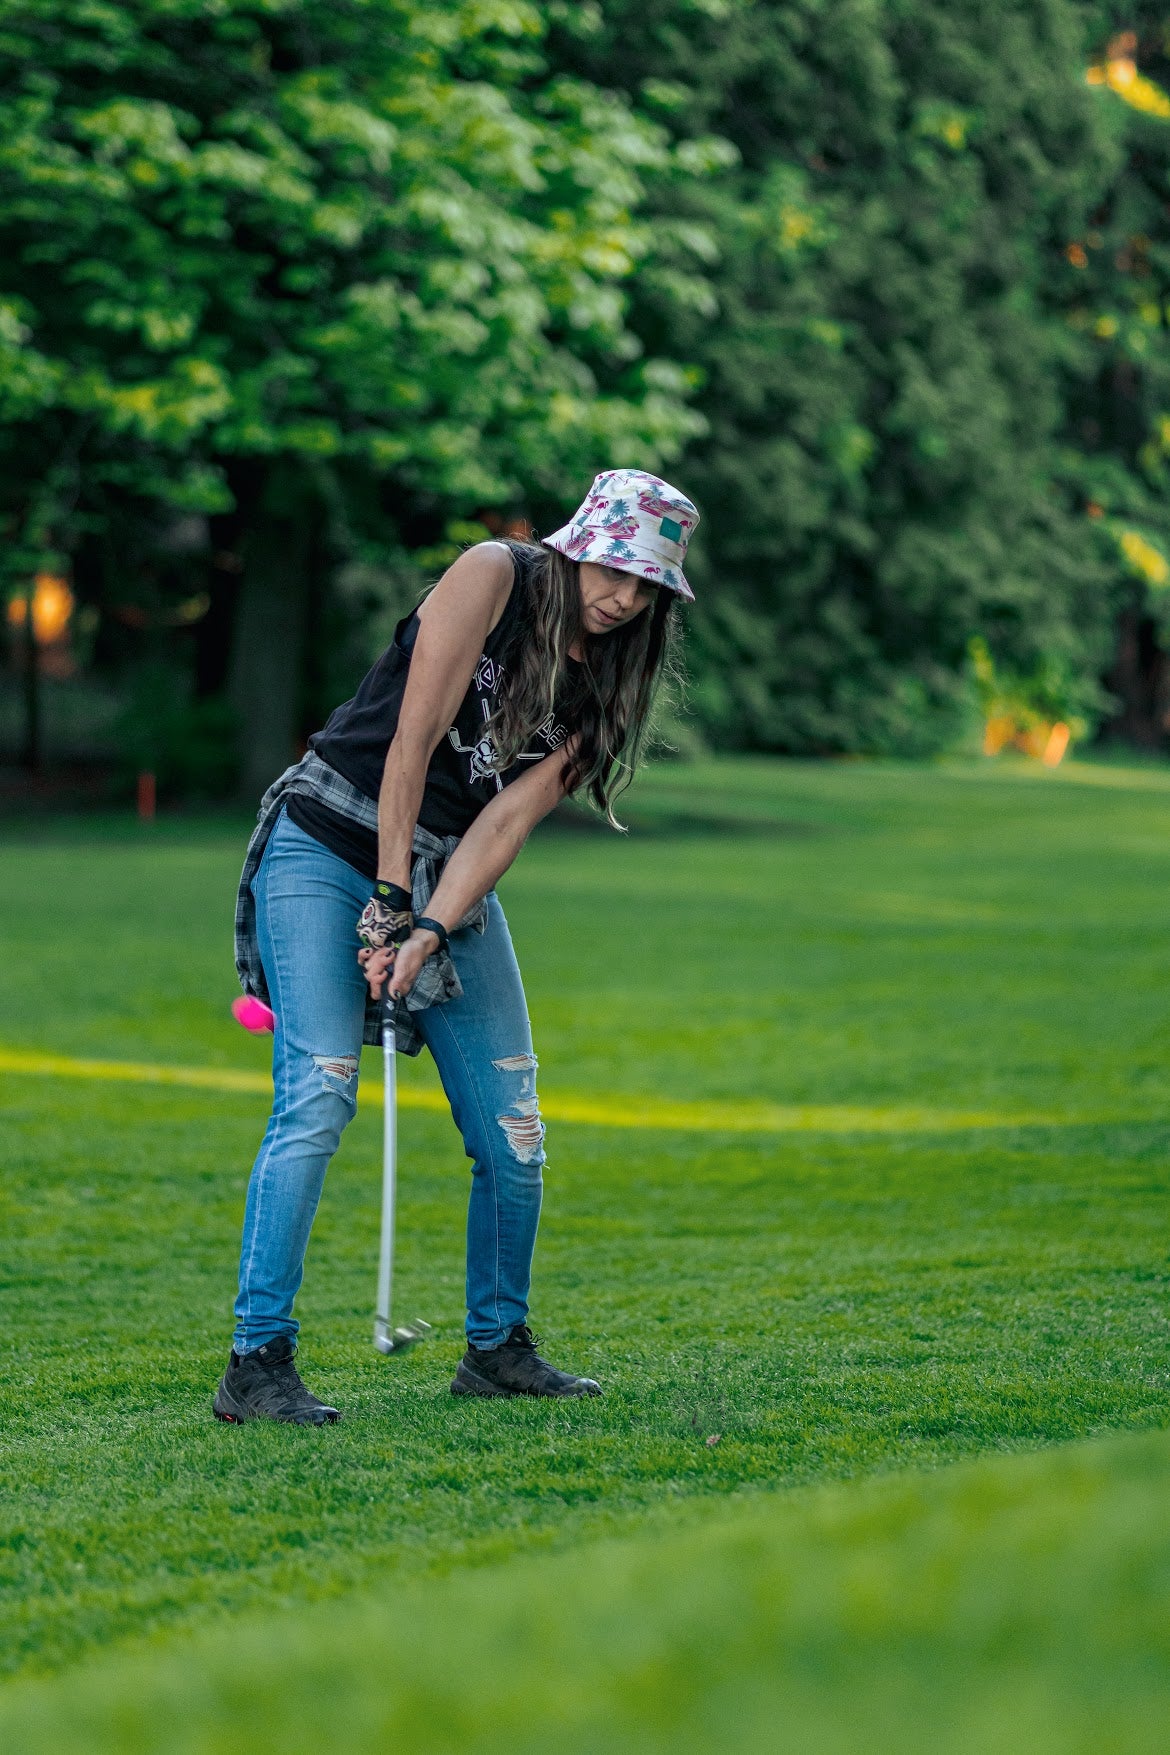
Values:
[(948, 1235)]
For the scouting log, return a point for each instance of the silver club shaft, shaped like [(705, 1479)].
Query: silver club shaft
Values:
[(389, 1180)]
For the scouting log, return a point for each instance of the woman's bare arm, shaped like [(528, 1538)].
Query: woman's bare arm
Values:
[(454, 623), (496, 837), (480, 860)]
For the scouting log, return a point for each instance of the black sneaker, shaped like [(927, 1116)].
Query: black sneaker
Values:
[(266, 1385), (515, 1368)]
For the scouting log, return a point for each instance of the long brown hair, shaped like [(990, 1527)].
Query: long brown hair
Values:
[(607, 698)]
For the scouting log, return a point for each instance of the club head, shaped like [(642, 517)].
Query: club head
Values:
[(402, 1339)]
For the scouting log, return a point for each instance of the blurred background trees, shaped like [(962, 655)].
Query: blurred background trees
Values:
[(296, 298), (883, 385), (293, 293)]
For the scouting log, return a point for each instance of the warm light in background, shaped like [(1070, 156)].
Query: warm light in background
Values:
[(1049, 743), (52, 608), (1119, 72)]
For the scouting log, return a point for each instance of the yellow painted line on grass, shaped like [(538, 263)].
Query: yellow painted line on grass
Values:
[(725, 1116), (150, 1072), (730, 1116)]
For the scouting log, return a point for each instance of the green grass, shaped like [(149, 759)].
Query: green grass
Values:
[(1018, 1605), (830, 1305)]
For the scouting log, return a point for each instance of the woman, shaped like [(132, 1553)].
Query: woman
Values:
[(526, 674)]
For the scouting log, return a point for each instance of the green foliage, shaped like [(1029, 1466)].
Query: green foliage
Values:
[(883, 476), (1049, 694), (834, 1295), (1113, 291), (336, 282), (189, 745), (355, 240)]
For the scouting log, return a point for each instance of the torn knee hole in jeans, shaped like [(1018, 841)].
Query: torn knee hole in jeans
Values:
[(337, 1066), (522, 1126), (524, 1130)]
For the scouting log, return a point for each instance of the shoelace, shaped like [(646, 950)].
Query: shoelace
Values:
[(288, 1378)]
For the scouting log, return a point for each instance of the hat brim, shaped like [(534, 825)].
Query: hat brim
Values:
[(647, 565)]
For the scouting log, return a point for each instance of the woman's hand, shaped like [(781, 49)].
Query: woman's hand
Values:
[(377, 966), (399, 965), (384, 927)]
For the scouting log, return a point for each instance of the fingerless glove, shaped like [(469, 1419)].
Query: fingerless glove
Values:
[(387, 918)]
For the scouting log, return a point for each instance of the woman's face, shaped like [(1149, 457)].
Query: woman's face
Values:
[(610, 597)]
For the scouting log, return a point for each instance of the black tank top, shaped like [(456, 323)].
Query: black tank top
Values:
[(462, 777)]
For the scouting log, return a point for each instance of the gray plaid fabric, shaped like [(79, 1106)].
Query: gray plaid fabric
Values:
[(437, 981)]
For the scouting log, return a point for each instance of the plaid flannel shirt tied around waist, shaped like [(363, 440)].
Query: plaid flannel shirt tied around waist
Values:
[(437, 981)]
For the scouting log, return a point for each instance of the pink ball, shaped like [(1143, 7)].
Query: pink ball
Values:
[(253, 1014)]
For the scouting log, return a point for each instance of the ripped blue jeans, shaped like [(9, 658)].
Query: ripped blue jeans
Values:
[(307, 904)]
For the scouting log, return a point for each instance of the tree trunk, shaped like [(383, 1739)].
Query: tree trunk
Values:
[(31, 753), (1140, 678), (268, 646)]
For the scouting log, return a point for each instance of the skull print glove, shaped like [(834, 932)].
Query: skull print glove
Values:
[(386, 918)]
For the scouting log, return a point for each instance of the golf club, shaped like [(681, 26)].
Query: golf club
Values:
[(258, 1019), (387, 1338)]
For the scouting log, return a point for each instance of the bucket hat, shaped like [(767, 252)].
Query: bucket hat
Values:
[(634, 522)]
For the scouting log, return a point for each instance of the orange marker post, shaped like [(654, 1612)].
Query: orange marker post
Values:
[(1058, 740)]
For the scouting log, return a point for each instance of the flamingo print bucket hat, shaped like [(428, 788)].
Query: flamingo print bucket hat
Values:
[(634, 522)]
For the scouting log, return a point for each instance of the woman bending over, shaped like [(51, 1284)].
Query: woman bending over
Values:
[(526, 674)]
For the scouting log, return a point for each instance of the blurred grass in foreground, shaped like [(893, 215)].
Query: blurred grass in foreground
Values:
[(1017, 1604)]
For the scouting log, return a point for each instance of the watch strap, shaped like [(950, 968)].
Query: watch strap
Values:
[(426, 924)]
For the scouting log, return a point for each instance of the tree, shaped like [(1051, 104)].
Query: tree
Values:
[(286, 282), (884, 473), (1114, 293)]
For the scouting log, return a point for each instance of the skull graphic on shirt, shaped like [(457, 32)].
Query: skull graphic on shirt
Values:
[(483, 753)]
